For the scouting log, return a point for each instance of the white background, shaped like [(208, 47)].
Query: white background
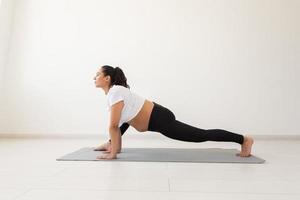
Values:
[(229, 64)]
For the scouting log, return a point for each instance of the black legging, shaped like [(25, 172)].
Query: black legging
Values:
[(163, 120)]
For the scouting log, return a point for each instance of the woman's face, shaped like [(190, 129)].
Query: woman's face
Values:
[(100, 79)]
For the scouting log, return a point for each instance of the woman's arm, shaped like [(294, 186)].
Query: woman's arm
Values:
[(114, 146), (114, 130), (123, 129), (116, 141), (106, 146)]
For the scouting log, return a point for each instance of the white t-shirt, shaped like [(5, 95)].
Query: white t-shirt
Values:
[(133, 103)]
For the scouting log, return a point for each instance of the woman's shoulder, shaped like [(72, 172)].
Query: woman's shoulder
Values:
[(117, 89)]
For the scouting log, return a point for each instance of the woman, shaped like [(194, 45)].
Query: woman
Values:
[(129, 109)]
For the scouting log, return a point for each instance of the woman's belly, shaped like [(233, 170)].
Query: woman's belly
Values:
[(141, 120)]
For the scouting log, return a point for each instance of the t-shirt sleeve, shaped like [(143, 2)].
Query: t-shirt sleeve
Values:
[(115, 97)]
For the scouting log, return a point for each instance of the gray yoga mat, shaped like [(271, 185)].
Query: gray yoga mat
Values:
[(204, 155)]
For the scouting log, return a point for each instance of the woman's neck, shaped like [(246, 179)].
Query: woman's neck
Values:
[(106, 89)]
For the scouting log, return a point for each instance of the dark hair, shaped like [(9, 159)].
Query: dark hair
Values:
[(117, 75)]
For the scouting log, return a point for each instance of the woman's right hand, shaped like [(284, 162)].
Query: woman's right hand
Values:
[(103, 147)]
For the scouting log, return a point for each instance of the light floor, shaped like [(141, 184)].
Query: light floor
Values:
[(29, 171)]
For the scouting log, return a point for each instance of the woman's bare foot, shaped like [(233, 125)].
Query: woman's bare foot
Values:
[(246, 147)]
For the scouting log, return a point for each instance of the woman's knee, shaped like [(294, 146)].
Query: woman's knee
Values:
[(173, 117)]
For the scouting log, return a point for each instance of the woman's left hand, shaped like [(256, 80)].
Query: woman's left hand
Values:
[(107, 156)]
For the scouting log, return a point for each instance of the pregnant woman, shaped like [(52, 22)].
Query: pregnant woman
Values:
[(129, 109)]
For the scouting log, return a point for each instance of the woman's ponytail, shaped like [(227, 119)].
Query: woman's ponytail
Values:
[(117, 75)]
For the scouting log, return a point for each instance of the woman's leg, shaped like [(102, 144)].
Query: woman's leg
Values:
[(163, 120), (181, 131), (124, 127)]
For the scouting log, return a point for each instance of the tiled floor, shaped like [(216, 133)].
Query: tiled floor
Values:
[(29, 171)]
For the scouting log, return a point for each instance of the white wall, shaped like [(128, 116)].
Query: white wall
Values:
[(6, 19), (228, 64)]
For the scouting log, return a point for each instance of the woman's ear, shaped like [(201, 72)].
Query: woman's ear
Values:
[(107, 78)]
